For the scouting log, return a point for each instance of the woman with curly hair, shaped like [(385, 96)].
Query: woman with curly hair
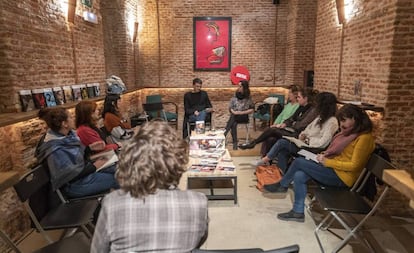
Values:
[(148, 213)]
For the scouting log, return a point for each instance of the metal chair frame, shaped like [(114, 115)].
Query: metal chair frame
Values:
[(351, 203)]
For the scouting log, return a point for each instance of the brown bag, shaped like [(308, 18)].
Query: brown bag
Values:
[(267, 174)]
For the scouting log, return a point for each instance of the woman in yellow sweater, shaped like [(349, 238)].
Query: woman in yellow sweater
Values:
[(339, 166)]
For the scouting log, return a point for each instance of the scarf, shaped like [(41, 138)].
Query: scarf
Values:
[(339, 142)]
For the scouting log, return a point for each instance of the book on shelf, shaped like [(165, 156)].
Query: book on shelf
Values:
[(84, 91), (97, 89), (67, 91), (27, 100), (109, 156), (90, 87), (296, 141), (77, 93), (308, 155), (39, 98), (50, 97), (59, 95)]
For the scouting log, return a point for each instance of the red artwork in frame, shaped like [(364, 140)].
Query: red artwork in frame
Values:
[(212, 43)]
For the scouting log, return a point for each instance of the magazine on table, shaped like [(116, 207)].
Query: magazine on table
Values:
[(110, 156), (202, 168), (308, 155)]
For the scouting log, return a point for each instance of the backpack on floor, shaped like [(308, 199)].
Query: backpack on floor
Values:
[(267, 174)]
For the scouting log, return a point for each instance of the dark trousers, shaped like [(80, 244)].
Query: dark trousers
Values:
[(232, 127)]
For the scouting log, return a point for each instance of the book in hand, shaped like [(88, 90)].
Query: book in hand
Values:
[(109, 156), (50, 97), (296, 141), (308, 155), (27, 100)]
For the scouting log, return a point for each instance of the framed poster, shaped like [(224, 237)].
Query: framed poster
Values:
[(212, 43)]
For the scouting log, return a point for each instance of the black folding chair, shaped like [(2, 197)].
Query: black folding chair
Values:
[(34, 191), (342, 203), (78, 243)]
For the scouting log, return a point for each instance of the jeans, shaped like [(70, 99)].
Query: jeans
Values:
[(200, 117), (283, 150), (300, 171), (93, 183)]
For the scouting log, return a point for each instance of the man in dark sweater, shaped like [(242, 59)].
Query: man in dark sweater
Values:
[(196, 105)]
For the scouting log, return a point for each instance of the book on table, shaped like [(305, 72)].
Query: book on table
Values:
[(110, 156)]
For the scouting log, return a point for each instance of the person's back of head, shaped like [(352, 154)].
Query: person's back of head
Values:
[(155, 158), (363, 123), (111, 104), (84, 111), (326, 106), (53, 117)]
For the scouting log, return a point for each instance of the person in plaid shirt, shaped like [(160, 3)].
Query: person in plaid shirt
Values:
[(149, 213)]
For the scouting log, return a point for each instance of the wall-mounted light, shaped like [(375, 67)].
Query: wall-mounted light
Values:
[(340, 11), (134, 37), (90, 17), (71, 10)]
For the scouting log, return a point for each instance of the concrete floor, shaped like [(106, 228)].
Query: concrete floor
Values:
[(252, 222)]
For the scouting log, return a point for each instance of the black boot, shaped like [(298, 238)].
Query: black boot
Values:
[(248, 145)]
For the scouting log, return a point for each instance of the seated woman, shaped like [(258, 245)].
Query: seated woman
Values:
[(317, 135), (149, 213), (86, 118), (304, 115), (111, 114), (64, 155), (290, 108), (241, 105), (339, 166)]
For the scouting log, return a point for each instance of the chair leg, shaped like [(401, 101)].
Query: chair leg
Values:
[(9, 241), (247, 134)]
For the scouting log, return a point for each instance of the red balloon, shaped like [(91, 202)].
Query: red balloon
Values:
[(238, 74)]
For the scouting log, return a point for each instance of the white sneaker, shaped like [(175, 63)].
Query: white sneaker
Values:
[(258, 162)]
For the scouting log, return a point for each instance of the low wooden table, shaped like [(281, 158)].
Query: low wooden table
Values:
[(402, 181), (216, 174)]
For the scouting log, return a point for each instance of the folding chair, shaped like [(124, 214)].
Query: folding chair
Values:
[(78, 243), (269, 116), (158, 111), (34, 191), (343, 203)]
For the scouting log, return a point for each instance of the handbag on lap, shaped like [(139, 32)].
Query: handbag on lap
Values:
[(267, 174)]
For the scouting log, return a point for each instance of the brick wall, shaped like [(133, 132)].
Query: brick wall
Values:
[(300, 39), (40, 49), (373, 48)]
